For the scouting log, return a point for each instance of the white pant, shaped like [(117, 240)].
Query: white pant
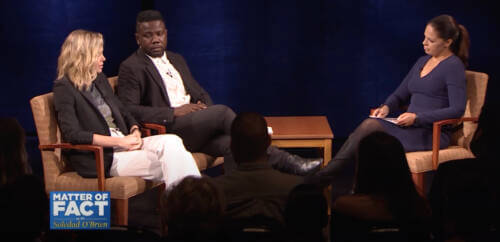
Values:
[(162, 157)]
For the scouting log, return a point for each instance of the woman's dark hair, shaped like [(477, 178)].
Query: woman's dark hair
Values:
[(13, 156), (448, 28), (382, 170), (306, 211)]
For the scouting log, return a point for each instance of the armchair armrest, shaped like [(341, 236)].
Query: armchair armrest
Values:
[(160, 129), (98, 153), (436, 135)]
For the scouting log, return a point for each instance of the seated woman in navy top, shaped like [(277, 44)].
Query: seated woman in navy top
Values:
[(434, 89)]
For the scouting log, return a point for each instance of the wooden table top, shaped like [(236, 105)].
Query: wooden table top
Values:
[(300, 127)]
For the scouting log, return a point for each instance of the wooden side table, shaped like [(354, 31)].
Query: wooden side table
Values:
[(302, 132)]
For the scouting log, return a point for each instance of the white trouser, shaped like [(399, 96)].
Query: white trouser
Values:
[(162, 157)]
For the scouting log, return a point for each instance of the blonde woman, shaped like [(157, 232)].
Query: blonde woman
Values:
[(89, 113)]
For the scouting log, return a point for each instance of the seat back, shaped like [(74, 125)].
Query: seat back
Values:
[(48, 133), (476, 92), (113, 81)]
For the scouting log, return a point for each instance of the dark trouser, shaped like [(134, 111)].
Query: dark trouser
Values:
[(208, 131), (346, 156)]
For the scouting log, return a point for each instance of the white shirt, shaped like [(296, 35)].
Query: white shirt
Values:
[(172, 80)]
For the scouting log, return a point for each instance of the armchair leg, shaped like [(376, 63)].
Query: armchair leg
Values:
[(418, 179), (328, 195), (120, 212)]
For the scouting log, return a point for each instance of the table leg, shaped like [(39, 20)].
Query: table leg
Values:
[(327, 155)]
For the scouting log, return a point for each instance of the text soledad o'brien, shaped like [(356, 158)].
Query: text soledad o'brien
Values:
[(80, 224)]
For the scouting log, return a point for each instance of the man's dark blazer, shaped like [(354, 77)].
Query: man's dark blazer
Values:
[(79, 119), (141, 88)]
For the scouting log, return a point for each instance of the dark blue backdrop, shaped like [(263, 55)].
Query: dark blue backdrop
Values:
[(281, 57)]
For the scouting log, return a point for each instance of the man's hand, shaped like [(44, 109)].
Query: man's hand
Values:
[(381, 112), (406, 119), (202, 104), (188, 108)]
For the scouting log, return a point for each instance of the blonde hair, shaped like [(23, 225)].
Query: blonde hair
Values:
[(78, 56)]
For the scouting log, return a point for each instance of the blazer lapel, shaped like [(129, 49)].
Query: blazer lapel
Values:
[(154, 74), (90, 101), (174, 63), (118, 118)]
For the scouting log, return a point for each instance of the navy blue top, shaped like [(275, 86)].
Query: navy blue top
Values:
[(436, 96)]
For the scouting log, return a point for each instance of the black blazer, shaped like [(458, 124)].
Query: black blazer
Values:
[(141, 88), (79, 120)]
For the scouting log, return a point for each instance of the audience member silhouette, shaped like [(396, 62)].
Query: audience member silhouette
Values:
[(464, 193), (306, 214), (254, 189), (24, 205), (385, 195), (193, 210), (13, 156)]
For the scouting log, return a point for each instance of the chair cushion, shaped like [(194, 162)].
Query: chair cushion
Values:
[(119, 187), (421, 161)]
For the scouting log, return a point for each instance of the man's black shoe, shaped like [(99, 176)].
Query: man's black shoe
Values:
[(294, 164)]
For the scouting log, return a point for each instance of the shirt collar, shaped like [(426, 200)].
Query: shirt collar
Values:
[(163, 59)]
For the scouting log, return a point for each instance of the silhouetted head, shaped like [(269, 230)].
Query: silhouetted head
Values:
[(193, 209), (382, 166), (13, 156), (306, 211), (249, 137), (382, 171), (24, 206), (150, 33)]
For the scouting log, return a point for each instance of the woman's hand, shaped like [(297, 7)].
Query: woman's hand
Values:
[(137, 133), (381, 112), (131, 142), (406, 119)]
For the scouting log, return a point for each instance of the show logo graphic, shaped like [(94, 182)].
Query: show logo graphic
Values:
[(80, 210)]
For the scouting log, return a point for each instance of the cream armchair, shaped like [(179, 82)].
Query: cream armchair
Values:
[(59, 176), (424, 161)]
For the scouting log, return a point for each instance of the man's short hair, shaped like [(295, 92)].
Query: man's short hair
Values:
[(249, 137), (147, 16)]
